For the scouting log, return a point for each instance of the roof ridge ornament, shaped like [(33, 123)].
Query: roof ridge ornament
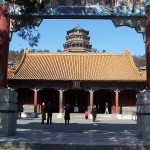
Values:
[(78, 26), (127, 51), (26, 50)]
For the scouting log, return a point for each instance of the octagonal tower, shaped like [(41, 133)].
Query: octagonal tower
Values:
[(77, 40)]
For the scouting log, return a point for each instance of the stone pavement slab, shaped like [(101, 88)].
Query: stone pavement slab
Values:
[(80, 134)]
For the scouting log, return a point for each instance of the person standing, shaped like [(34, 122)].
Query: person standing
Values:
[(94, 112), (66, 114), (49, 109), (106, 108), (43, 111)]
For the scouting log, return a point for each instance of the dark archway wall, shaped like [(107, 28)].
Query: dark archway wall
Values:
[(77, 98), (127, 99), (25, 96), (100, 98), (46, 95)]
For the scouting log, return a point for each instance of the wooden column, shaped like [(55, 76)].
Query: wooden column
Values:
[(148, 45), (116, 100), (91, 97), (61, 109), (4, 44), (91, 100), (35, 100)]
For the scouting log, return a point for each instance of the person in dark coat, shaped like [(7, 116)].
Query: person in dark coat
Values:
[(66, 114), (43, 111), (49, 109), (94, 112)]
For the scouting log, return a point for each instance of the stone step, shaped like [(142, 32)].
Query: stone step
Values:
[(81, 116), (106, 116), (38, 146)]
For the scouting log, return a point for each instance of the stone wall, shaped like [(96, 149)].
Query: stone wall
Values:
[(143, 114), (127, 110), (28, 108), (0, 123), (8, 110)]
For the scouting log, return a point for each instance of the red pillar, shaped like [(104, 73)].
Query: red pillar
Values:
[(61, 107), (4, 44), (117, 100), (35, 100), (148, 45)]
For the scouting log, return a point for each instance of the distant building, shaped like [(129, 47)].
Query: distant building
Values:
[(142, 69), (77, 40), (78, 77), (11, 65)]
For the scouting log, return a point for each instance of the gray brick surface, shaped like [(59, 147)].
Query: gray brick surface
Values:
[(80, 134)]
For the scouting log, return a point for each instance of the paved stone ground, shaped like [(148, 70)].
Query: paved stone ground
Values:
[(80, 134)]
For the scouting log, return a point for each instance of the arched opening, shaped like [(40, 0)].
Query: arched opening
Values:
[(25, 96), (77, 100), (52, 95), (25, 100), (100, 98)]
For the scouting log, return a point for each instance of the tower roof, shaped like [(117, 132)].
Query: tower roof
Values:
[(77, 28)]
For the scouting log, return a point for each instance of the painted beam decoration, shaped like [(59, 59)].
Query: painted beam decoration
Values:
[(2, 2), (82, 8), (129, 13), (147, 2), (137, 23)]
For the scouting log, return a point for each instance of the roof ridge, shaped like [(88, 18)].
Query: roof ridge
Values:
[(26, 51), (79, 53), (127, 52)]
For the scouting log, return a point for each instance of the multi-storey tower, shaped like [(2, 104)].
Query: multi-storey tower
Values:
[(77, 40)]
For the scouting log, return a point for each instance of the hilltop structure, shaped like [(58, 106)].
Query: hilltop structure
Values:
[(78, 77)]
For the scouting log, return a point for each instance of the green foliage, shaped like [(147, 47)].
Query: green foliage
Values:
[(15, 56), (140, 61), (24, 24)]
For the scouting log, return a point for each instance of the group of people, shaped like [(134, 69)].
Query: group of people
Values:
[(49, 109)]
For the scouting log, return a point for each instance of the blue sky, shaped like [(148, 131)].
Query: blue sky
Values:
[(104, 36)]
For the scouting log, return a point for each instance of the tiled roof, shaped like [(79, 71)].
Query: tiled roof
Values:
[(77, 67)]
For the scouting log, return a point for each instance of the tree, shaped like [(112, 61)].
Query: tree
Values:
[(103, 51), (24, 23), (140, 61), (94, 50)]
